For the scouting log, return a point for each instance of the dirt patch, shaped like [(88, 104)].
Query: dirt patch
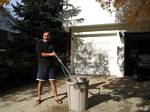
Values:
[(105, 94)]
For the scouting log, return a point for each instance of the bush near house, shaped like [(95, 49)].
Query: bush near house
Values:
[(17, 62), (18, 59)]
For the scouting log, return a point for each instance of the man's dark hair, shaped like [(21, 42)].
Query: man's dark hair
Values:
[(50, 33)]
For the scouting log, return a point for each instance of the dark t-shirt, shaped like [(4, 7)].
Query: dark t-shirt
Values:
[(45, 47)]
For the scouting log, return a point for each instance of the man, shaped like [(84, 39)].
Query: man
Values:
[(46, 55)]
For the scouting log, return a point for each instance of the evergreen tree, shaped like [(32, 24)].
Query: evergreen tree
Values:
[(35, 16)]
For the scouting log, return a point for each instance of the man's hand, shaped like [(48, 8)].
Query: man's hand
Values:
[(53, 54)]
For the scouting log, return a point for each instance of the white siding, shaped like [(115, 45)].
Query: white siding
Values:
[(98, 55)]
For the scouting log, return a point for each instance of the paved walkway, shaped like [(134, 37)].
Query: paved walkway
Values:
[(106, 94)]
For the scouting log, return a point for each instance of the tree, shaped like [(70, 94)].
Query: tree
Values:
[(36, 16), (129, 11), (3, 2)]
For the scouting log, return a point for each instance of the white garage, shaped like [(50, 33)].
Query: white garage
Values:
[(97, 50)]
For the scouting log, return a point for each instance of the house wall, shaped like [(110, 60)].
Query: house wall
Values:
[(98, 53), (83, 60), (7, 21)]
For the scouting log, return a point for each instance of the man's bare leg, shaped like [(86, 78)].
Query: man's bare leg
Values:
[(40, 87), (54, 89)]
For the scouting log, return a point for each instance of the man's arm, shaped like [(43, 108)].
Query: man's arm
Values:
[(47, 54)]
